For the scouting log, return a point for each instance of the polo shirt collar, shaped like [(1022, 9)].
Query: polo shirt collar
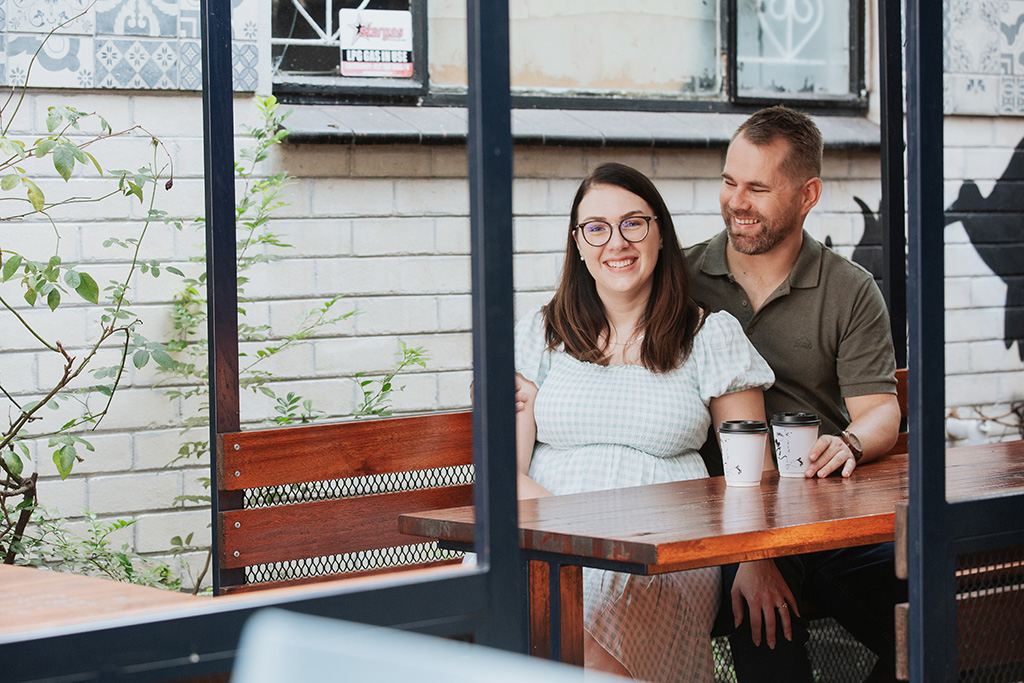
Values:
[(805, 274)]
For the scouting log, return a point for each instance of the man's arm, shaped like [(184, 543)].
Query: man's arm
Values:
[(874, 419), (526, 438)]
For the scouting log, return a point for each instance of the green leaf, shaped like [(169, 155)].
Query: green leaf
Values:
[(172, 269), (35, 195), (72, 278), (13, 462), (163, 359), (64, 159), (88, 289), (134, 189), (140, 358), (44, 147), (9, 181), (53, 119), (99, 169), (53, 299), (64, 459), (30, 297), (11, 267)]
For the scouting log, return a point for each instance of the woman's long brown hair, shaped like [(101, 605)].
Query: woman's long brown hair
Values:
[(575, 316)]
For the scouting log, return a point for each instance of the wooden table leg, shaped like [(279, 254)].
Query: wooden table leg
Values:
[(571, 608), (540, 609), (558, 630)]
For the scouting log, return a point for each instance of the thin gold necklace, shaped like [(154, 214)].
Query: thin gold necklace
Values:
[(630, 342)]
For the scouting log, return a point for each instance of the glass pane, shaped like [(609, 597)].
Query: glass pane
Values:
[(656, 48), (798, 47), (308, 34)]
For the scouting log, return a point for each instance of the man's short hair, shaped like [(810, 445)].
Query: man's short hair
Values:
[(805, 143)]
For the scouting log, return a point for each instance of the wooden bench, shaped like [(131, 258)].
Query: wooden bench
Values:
[(317, 502)]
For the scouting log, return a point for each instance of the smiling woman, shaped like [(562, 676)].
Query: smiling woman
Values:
[(621, 375)]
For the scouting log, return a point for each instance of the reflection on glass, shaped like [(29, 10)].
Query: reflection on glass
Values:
[(662, 48), (793, 47)]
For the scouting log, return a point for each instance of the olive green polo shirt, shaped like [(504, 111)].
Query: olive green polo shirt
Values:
[(825, 330)]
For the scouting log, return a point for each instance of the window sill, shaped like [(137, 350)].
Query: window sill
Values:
[(377, 125)]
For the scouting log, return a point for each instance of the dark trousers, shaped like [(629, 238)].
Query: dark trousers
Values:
[(855, 586)]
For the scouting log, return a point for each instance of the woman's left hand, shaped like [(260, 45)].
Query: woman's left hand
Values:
[(760, 585)]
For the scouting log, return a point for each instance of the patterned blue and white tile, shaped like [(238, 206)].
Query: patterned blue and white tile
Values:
[(188, 19), (1011, 38), (971, 36), (41, 16), (137, 64), (244, 61), (244, 19), (64, 61), (3, 15), (190, 65), (1011, 101), (151, 18), (3, 60), (245, 74), (971, 93)]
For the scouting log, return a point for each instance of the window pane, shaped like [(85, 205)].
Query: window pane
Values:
[(799, 47), (308, 35), (656, 47)]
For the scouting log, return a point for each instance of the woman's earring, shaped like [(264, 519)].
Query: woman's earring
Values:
[(581, 258)]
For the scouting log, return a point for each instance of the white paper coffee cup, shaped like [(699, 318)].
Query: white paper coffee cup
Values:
[(794, 434), (743, 444)]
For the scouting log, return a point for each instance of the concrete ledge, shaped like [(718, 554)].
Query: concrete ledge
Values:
[(376, 125)]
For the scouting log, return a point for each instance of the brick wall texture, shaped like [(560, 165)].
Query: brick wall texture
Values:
[(387, 229)]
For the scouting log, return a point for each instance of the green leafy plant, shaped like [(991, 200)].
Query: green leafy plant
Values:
[(187, 375), (45, 281), (51, 544)]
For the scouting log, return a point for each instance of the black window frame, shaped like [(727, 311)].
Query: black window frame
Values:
[(856, 97), (366, 89), (420, 94)]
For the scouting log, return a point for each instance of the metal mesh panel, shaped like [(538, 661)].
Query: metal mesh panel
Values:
[(357, 486), (350, 488), (347, 562), (836, 656), (990, 614)]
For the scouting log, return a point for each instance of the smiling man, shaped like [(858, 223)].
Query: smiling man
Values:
[(822, 325)]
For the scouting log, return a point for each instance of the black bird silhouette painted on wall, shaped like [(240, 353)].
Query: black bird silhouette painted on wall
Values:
[(995, 226)]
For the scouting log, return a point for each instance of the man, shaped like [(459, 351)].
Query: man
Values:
[(820, 322)]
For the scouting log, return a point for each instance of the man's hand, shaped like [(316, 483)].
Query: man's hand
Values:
[(828, 454), (760, 585), (521, 393)]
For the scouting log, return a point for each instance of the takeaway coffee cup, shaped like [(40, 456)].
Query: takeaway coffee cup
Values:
[(743, 443), (794, 434)]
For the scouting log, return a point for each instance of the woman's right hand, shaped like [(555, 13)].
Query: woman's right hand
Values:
[(760, 585)]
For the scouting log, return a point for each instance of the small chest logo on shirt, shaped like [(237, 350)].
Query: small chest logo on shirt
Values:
[(802, 343)]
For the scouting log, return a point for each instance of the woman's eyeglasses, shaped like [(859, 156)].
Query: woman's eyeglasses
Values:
[(632, 229)]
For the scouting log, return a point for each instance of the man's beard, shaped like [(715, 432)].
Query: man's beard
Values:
[(772, 233)]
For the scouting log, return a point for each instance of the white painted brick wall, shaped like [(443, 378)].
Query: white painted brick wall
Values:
[(388, 227)]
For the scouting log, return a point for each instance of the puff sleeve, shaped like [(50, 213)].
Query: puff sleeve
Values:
[(725, 359)]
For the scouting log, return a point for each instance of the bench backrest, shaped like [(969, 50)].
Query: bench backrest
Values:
[(306, 495)]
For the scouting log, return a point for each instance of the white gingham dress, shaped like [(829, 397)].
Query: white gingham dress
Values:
[(604, 427)]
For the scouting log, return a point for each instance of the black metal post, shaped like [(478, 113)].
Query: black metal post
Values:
[(932, 582), (490, 187), (221, 277), (891, 215)]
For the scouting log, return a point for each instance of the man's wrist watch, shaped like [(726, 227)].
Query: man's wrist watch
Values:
[(851, 440)]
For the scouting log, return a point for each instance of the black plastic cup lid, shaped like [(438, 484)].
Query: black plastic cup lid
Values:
[(796, 419), (743, 427)]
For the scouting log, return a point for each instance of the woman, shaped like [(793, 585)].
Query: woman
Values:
[(620, 376)]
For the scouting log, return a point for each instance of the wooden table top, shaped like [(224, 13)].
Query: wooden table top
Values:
[(697, 523), (36, 598)]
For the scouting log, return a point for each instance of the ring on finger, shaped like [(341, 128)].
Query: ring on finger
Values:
[(784, 605)]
